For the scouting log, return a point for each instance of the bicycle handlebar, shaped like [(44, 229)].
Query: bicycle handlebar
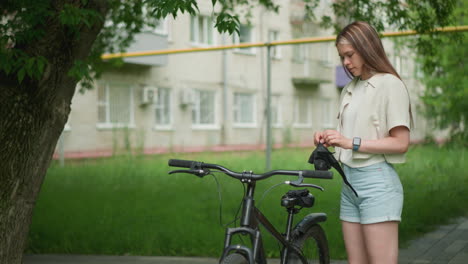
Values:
[(196, 165), (180, 163)]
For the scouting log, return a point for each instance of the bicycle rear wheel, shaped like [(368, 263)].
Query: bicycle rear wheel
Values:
[(313, 245), (235, 258)]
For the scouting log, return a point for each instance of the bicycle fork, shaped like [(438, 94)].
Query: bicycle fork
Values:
[(249, 226)]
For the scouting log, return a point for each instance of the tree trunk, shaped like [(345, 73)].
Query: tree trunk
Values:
[(32, 116), (29, 130)]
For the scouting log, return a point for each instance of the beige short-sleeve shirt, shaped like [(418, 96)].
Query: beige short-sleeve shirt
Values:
[(385, 105)]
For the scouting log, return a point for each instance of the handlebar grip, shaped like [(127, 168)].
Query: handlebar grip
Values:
[(317, 174), (181, 163)]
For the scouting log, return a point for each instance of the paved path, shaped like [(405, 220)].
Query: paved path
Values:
[(446, 245), (66, 259)]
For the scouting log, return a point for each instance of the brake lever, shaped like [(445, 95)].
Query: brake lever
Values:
[(295, 184), (200, 173)]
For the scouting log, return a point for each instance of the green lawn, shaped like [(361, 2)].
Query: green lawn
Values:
[(130, 205)]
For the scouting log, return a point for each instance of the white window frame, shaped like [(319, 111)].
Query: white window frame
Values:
[(207, 31), (273, 35), (107, 124), (236, 40), (307, 109), (161, 105), (236, 107), (328, 109), (196, 107)]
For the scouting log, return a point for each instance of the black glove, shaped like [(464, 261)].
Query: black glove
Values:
[(323, 160)]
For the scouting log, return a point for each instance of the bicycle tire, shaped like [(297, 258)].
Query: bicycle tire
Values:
[(313, 244), (235, 258)]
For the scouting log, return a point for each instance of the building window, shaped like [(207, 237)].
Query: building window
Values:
[(244, 109), (163, 108), (201, 30), (154, 25), (326, 54), (418, 71), (203, 109), (397, 63), (303, 111), (299, 53), (115, 105), (328, 110), (276, 118), (245, 36), (405, 67), (273, 35), (162, 26), (400, 63), (67, 126)]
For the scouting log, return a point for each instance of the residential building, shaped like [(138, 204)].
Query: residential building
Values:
[(203, 100)]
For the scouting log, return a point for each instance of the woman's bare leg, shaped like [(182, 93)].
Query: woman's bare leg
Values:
[(354, 242), (381, 242)]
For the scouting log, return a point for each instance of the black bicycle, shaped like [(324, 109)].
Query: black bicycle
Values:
[(305, 243)]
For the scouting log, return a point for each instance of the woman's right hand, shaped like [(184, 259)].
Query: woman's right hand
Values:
[(319, 138)]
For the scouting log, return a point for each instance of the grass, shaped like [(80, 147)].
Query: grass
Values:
[(130, 205), (436, 183)]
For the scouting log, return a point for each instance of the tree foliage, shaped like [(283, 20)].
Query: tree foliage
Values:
[(422, 16), (445, 71)]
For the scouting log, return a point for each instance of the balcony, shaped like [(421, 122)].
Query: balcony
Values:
[(311, 73), (148, 42)]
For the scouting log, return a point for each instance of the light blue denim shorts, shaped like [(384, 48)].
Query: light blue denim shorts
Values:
[(380, 194)]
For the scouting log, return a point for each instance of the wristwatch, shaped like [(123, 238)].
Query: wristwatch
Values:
[(356, 143)]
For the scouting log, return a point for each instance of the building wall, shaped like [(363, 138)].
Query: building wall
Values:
[(245, 73)]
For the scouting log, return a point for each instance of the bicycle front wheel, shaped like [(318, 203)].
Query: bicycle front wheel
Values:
[(235, 258), (314, 246)]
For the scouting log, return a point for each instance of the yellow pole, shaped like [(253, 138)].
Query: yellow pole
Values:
[(262, 44)]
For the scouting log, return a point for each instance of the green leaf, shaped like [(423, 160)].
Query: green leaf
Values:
[(163, 8), (228, 23), (21, 74), (73, 16), (41, 62)]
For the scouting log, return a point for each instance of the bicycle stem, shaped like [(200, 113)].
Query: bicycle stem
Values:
[(248, 204)]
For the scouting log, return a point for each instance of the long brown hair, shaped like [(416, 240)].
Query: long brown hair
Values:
[(365, 40)]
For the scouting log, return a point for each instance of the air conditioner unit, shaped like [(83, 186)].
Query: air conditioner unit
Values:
[(149, 95), (186, 97)]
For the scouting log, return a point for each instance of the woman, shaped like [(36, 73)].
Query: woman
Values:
[(373, 132)]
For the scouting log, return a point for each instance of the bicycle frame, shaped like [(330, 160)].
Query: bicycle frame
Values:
[(250, 220), (252, 217)]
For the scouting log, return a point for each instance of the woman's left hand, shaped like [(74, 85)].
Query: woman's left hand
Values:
[(335, 139)]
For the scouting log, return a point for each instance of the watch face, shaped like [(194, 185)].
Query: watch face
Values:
[(356, 141)]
